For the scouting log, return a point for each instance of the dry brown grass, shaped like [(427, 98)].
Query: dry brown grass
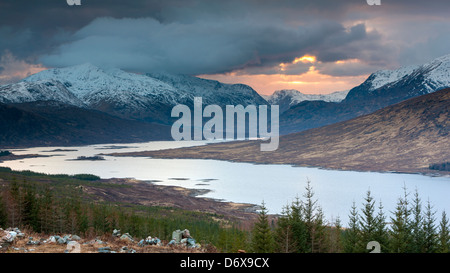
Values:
[(405, 137)]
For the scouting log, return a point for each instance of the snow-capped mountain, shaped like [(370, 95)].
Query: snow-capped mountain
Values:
[(93, 85), (383, 77), (123, 94), (211, 91), (151, 97), (86, 79), (435, 74), (289, 97), (405, 82), (381, 89), (42, 90)]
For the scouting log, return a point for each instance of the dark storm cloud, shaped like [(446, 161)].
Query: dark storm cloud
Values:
[(207, 36), (30, 28), (204, 47), (350, 68), (18, 40), (344, 44)]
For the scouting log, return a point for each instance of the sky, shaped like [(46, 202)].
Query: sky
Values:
[(314, 46)]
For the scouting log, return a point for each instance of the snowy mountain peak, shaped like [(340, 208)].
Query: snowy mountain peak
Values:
[(443, 59), (43, 90), (383, 77), (80, 69), (212, 91), (86, 79), (392, 86), (436, 74), (297, 96), (289, 97), (126, 95)]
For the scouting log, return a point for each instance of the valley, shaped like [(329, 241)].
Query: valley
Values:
[(85, 104), (405, 137)]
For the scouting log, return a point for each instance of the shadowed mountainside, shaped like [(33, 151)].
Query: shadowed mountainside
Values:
[(54, 124), (404, 137)]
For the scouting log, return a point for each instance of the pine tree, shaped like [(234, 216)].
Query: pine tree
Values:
[(319, 236), (14, 188), (401, 227), (262, 240), (444, 235), (352, 236), (239, 240), (431, 237), (297, 223), (71, 220), (381, 232), (284, 233), (309, 214), (102, 224), (83, 219), (3, 215), (398, 230), (335, 245), (310, 204), (417, 229), (30, 207), (223, 241), (14, 204), (407, 217), (368, 221), (46, 215), (59, 217)]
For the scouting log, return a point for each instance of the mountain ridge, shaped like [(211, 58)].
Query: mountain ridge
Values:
[(380, 89), (135, 96), (287, 98), (150, 98), (405, 137)]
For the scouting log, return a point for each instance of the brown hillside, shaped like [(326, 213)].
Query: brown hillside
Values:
[(405, 137)]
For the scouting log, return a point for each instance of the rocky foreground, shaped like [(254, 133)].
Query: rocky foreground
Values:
[(14, 240)]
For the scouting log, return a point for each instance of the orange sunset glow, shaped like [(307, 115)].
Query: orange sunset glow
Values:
[(303, 59), (311, 82)]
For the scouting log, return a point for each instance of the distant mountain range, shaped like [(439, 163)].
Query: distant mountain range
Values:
[(85, 104), (289, 97), (113, 96), (404, 137), (127, 95), (381, 89), (392, 86)]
